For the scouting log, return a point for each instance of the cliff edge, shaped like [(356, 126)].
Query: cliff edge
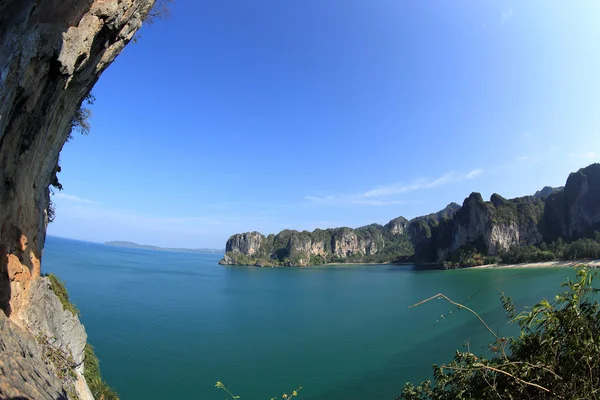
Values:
[(51, 54)]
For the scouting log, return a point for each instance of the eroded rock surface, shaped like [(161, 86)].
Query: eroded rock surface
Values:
[(23, 373), (51, 54), (45, 315)]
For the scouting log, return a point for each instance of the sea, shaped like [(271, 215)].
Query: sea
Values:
[(169, 325)]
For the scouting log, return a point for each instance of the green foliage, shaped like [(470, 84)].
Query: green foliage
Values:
[(284, 396), (293, 248), (581, 249), (81, 120), (64, 364), (98, 386), (243, 259), (59, 289), (51, 211), (522, 210), (317, 260), (160, 10), (555, 356)]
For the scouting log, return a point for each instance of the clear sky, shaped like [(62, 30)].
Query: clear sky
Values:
[(236, 115)]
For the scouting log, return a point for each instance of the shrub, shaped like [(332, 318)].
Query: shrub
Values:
[(59, 289), (97, 385), (555, 356)]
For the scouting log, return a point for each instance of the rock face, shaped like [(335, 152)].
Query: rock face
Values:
[(26, 338), (421, 231), (547, 191), (373, 243), (245, 243), (490, 226), (575, 211), (51, 54), (485, 227), (397, 226), (46, 315), (23, 374)]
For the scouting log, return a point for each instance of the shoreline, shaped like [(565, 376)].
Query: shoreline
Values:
[(543, 264)]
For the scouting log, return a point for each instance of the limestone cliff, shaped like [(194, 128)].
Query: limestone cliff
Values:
[(373, 243), (478, 226), (491, 226), (244, 243), (55, 342), (51, 54), (575, 211)]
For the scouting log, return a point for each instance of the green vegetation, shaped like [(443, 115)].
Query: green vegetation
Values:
[(97, 385), (469, 256), (284, 396), (65, 364), (81, 119), (554, 357), (59, 289), (293, 248), (522, 210), (581, 249)]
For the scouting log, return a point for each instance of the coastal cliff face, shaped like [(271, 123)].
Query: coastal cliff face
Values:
[(51, 54), (491, 227), (244, 243), (575, 211), (484, 227), (45, 349), (307, 248)]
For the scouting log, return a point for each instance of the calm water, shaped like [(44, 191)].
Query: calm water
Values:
[(168, 325)]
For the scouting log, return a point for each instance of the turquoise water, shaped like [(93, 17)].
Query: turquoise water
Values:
[(167, 325)]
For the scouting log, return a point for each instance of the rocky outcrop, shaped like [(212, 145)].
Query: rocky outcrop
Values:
[(480, 227), (242, 243), (51, 54), (40, 334), (490, 227), (348, 242), (574, 212), (293, 248), (245, 243), (421, 231), (45, 315), (547, 191), (23, 373), (397, 226)]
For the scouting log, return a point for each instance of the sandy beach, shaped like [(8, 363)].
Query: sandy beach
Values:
[(546, 264)]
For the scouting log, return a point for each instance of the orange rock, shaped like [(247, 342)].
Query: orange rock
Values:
[(36, 266), (17, 271), (23, 242)]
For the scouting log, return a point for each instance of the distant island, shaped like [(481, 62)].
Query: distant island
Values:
[(119, 243), (561, 223)]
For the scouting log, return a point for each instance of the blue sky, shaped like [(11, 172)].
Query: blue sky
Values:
[(232, 116)]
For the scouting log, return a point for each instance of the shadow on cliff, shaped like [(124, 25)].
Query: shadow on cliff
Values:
[(4, 283)]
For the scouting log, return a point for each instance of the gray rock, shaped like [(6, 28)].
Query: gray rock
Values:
[(46, 315), (23, 373)]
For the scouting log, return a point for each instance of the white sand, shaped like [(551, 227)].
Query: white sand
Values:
[(591, 263)]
